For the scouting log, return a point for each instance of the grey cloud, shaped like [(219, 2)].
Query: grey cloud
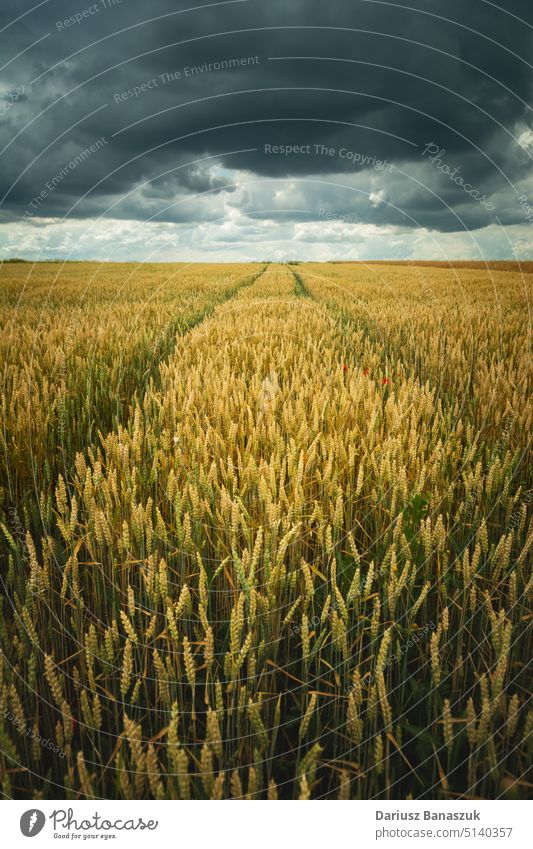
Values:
[(211, 87)]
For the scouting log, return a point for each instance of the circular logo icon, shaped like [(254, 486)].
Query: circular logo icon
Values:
[(32, 822)]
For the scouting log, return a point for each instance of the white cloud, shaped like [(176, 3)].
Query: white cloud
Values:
[(525, 139), (242, 238), (317, 218), (376, 198)]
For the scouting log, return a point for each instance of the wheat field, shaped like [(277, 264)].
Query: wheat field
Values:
[(265, 531)]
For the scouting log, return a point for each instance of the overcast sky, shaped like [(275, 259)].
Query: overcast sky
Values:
[(246, 130)]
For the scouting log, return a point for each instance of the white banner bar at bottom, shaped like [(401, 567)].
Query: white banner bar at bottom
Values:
[(252, 824)]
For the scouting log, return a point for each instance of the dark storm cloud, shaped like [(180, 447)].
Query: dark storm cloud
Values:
[(185, 98)]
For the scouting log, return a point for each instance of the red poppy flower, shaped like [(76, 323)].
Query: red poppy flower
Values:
[(384, 381), (345, 368), (366, 372)]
